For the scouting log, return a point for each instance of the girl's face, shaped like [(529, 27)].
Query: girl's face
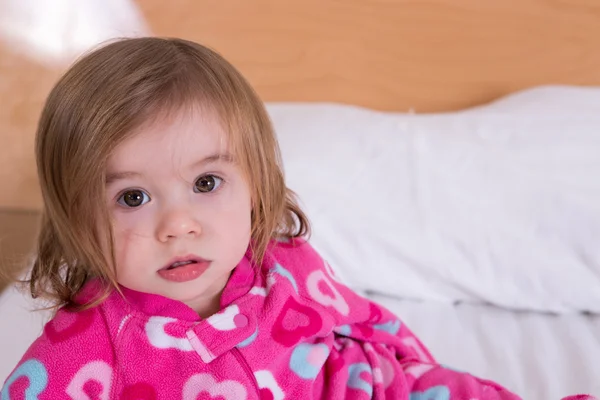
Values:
[(181, 210)]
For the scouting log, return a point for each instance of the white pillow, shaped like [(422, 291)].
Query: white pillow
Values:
[(560, 99), (501, 207)]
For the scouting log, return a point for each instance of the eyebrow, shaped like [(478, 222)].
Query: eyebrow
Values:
[(116, 176), (225, 157)]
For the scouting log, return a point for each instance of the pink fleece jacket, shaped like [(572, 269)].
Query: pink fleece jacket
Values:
[(287, 330)]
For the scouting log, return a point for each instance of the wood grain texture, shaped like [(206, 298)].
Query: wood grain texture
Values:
[(427, 55), (396, 55), (24, 85), (17, 233)]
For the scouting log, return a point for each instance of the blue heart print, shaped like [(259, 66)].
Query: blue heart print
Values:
[(286, 274), (248, 341), (300, 360), (345, 330), (38, 379), (356, 382), (434, 393), (391, 327)]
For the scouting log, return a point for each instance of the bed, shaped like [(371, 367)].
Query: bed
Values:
[(447, 154), (536, 355), (479, 228)]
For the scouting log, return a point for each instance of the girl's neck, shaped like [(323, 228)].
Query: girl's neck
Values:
[(210, 302), (209, 308)]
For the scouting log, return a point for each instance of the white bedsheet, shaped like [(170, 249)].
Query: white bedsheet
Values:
[(19, 328), (538, 356)]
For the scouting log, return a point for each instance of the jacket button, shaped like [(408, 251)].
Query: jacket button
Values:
[(240, 321)]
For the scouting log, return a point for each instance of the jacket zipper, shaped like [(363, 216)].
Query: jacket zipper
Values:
[(238, 354)]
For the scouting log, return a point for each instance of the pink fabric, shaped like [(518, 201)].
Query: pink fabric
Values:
[(289, 330)]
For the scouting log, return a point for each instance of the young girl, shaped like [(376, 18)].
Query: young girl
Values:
[(175, 254)]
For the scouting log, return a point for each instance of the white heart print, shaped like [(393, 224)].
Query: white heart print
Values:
[(155, 330), (418, 370), (228, 389), (225, 320), (337, 301), (97, 371), (266, 380)]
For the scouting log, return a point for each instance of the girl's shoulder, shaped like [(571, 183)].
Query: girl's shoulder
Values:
[(303, 267), (296, 258), (69, 325), (295, 253), (71, 343)]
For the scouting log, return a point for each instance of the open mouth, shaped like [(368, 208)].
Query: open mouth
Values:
[(180, 264), (182, 261), (183, 269)]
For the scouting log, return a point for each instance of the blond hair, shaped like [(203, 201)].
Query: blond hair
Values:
[(98, 104)]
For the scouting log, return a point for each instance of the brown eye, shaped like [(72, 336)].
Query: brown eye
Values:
[(133, 198), (207, 183)]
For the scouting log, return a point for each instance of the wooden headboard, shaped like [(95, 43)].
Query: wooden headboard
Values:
[(395, 55), (426, 55)]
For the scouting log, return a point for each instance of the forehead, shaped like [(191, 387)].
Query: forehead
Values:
[(178, 136)]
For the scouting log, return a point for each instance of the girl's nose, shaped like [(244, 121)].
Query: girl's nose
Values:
[(178, 224)]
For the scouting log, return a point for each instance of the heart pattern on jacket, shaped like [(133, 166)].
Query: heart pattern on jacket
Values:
[(294, 322)]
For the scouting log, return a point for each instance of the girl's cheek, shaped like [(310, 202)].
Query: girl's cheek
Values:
[(226, 199), (132, 223)]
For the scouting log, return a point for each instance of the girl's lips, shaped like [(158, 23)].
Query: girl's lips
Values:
[(184, 268), (185, 272), (184, 259)]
